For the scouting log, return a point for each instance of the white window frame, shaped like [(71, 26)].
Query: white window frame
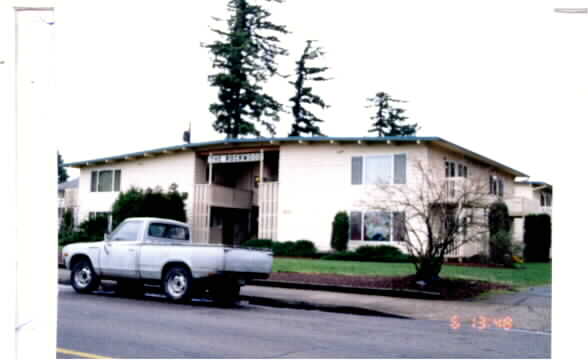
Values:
[(391, 156), (113, 170)]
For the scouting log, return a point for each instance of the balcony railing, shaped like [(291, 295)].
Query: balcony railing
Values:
[(223, 196)]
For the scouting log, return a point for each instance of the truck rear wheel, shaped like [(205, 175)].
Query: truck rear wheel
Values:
[(83, 278), (177, 284)]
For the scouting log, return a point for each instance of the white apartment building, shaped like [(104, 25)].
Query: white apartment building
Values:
[(289, 188)]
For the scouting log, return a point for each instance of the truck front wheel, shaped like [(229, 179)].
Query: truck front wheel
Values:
[(177, 284), (83, 278)]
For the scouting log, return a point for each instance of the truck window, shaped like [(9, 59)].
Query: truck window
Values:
[(168, 231), (128, 231)]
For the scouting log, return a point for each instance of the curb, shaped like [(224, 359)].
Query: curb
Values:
[(403, 293), (302, 305)]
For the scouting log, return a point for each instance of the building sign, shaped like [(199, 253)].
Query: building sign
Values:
[(233, 158)]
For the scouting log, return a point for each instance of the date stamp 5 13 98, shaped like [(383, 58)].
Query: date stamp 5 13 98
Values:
[(481, 322)]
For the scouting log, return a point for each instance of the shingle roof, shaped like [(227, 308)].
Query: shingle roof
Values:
[(273, 141)]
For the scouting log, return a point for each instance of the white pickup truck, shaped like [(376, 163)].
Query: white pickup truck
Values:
[(160, 252)]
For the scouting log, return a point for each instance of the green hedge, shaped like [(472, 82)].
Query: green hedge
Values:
[(300, 248), (379, 253)]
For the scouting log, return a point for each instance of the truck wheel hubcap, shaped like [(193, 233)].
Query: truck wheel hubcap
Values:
[(176, 285), (83, 277)]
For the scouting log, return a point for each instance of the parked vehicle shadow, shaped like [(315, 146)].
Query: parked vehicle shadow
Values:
[(156, 294)]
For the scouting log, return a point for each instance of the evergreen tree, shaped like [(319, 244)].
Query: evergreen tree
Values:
[(389, 119), (304, 120), (62, 175), (245, 58)]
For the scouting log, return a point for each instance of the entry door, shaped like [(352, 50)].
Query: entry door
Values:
[(119, 256)]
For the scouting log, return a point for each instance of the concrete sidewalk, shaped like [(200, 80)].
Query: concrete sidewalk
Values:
[(529, 309)]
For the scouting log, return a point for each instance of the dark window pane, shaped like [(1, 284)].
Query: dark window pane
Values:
[(117, 180), (465, 171), (94, 181), (399, 222), (400, 169), (105, 181), (355, 225), (376, 226), (356, 170)]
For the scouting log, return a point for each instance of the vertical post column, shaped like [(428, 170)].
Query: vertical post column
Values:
[(261, 168)]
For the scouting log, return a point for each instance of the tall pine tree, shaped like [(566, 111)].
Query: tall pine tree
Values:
[(305, 122), (388, 119), (245, 58), (62, 175)]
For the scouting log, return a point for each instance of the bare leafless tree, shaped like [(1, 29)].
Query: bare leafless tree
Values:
[(441, 214)]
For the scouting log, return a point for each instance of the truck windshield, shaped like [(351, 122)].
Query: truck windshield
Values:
[(168, 231)]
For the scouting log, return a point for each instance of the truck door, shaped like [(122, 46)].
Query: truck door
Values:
[(119, 255)]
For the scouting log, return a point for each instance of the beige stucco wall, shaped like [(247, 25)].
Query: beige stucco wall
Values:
[(315, 183), (143, 172)]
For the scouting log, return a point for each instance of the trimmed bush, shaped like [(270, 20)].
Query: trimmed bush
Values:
[(258, 243), (378, 251), (282, 248), (499, 225), (303, 248), (340, 232), (502, 251), (498, 218), (537, 237)]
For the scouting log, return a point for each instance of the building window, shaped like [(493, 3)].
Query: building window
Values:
[(105, 181), (496, 184), (355, 225), (455, 169), (95, 214), (378, 169), (545, 199), (377, 226)]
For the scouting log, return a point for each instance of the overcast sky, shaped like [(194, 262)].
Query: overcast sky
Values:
[(500, 78)]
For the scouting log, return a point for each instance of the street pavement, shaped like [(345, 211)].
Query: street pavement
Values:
[(104, 324), (529, 310)]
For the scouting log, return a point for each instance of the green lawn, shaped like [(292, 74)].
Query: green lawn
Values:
[(532, 274)]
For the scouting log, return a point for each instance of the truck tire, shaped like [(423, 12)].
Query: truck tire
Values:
[(83, 278), (226, 292), (177, 284)]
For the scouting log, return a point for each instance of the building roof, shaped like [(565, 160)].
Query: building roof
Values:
[(69, 184), (235, 143), (536, 184)]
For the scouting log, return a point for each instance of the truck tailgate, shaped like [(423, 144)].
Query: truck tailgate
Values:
[(254, 262)]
